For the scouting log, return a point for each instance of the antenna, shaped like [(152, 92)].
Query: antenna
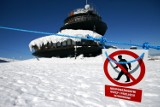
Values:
[(86, 2)]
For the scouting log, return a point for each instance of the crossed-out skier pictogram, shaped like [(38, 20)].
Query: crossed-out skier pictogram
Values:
[(134, 80)]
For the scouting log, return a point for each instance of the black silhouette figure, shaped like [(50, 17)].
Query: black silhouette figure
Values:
[(125, 67)]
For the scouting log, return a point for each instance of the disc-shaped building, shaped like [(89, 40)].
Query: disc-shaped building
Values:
[(80, 22)]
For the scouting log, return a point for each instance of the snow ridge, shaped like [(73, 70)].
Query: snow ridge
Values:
[(6, 60)]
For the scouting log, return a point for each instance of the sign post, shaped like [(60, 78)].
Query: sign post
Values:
[(124, 69)]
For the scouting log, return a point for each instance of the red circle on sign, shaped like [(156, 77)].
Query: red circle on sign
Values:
[(140, 61)]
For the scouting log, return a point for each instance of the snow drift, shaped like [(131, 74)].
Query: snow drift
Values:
[(54, 39), (67, 82)]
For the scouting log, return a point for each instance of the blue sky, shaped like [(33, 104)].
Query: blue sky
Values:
[(135, 21)]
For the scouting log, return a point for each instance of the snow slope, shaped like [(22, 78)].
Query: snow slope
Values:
[(67, 82), (6, 60), (154, 57)]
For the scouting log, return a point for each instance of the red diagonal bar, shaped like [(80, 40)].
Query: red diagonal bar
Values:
[(134, 80), (124, 70)]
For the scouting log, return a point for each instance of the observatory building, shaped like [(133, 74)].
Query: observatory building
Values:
[(80, 22)]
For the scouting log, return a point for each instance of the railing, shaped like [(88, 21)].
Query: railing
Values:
[(81, 18)]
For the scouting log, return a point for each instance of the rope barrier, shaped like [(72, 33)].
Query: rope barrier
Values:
[(24, 30), (101, 40), (140, 57)]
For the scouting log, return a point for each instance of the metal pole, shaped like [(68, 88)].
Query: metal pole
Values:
[(86, 2), (75, 51)]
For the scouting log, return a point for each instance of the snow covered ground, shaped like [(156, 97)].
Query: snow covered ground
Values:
[(68, 82), (6, 60)]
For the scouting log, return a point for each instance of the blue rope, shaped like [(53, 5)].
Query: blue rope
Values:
[(101, 40), (39, 32), (24, 30), (140, 57)]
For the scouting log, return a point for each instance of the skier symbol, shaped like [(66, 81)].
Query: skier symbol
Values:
[(125, 67)]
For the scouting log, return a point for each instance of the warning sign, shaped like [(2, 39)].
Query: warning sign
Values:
[(123, 93), (124, 68)]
